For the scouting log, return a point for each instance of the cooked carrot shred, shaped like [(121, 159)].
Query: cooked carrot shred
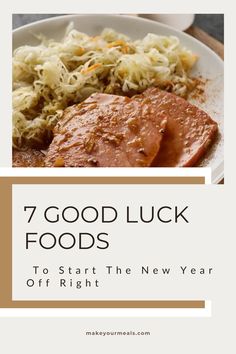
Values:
[(91, 68), (118, 43), (79, 51)]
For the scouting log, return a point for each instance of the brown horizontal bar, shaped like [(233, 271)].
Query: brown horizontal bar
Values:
[(171, 304), (106, 180)]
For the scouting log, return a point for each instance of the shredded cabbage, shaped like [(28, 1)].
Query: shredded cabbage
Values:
[(52, 75)]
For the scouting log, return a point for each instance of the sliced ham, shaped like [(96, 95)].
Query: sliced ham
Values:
[(189, 131), (108, 131)]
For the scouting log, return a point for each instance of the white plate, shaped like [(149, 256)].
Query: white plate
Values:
[(209, 65)]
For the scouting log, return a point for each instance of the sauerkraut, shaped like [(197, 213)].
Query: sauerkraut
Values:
[(53, 75)]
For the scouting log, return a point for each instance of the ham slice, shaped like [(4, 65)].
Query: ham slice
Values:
[(189, 131), (108, 131)]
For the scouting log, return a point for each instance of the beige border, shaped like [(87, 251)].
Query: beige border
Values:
[(6, 243)]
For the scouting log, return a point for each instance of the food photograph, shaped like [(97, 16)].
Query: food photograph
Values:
[(118, 91)]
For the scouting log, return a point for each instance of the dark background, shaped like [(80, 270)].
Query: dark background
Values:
[(212, 24)]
